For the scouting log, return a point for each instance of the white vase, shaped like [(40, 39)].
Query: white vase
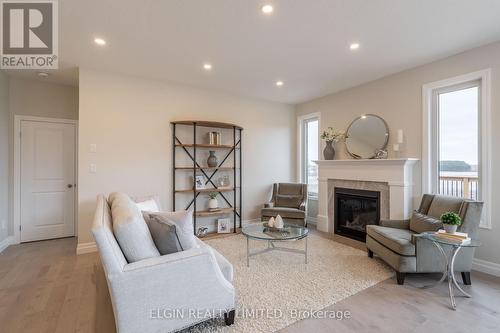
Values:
[(450, 228), (271, 222), (279, 222), (213, 204)]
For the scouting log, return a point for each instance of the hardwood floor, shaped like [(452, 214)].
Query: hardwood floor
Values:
[(45, 287)]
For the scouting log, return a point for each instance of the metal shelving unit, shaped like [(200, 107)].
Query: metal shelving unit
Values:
[(209, 172)]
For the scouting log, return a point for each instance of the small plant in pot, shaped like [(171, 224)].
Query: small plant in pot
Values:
[(212, 201), (450, 221)]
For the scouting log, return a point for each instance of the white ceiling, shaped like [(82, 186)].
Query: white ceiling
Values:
[(305, 43)]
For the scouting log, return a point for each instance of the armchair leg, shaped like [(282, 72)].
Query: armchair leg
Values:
[(229, 317), (370, 253), (466, 278), (400, 277)]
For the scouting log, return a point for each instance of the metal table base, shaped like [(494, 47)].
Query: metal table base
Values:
[(449, 273), (272, 247)]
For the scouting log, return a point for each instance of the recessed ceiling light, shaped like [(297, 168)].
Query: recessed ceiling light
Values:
[(42, 74), (267, 9), (354, 46), (99, 41), (207, 66), (363, 117), (279, 83)]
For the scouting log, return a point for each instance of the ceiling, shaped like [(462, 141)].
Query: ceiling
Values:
[(303, 43)]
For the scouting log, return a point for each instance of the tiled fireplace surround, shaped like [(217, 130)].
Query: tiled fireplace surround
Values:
[(393, 178)]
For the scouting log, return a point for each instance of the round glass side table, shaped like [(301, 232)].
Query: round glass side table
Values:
[(450, 261)]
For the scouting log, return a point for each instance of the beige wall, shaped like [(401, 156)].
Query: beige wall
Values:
[(4, 155), (40, 99), (398, 99), (128, 118)]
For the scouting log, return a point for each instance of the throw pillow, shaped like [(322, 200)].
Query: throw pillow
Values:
[(421, 223), (164, 234), (130, 229), (183, 221), (290, 201), (148, 206)]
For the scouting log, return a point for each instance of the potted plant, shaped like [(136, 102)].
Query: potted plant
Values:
[(212, 201), (331, 135), (450, 221)]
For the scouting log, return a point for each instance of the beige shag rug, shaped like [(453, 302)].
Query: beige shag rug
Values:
[(281, 280)]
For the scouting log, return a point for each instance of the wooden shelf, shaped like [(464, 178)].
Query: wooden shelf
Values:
[(221, 211), (212, 235), (205, 190), (231, 148), (204, 145), (204, 123), (205, 168)]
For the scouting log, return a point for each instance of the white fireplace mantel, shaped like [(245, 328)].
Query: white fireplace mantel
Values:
[(399, 174)]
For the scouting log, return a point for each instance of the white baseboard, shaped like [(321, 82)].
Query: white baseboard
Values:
[(83, 248), (486, 267), (6, 242)]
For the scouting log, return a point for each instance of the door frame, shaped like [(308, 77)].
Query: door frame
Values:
[(17, 169)]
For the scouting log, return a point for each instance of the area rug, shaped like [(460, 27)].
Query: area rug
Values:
[(282, 283)]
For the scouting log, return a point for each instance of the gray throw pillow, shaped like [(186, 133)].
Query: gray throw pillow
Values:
[(164, 234), (183, 221), (421, 223), (290, 201)]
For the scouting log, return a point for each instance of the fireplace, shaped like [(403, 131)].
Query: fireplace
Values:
[(354, 210)]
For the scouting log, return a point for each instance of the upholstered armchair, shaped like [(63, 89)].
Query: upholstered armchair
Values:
[(398, 244), (289, 201)]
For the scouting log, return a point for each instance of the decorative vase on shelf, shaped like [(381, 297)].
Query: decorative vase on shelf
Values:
[(329, 151), (212, 159)]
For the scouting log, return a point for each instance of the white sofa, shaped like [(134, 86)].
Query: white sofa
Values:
[(166, 293)]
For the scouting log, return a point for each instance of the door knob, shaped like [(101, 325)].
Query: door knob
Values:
[(69, 185)]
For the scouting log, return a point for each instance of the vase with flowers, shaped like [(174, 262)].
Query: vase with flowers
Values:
[(331, 135)]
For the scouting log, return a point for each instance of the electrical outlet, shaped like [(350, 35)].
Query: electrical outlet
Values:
[(93, 148), (93, 168)]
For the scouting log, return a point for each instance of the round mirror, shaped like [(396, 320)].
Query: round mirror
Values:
[(366, 135)]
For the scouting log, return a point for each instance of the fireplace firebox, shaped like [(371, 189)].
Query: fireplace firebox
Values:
[(354, 210)]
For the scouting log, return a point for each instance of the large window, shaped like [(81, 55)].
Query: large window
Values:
[(456, 139), (309, 153), (458, 113)]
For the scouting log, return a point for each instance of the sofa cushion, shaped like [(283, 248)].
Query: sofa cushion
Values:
[(183, 221), (164, 234), (421, 223), (442, 204), (398, 240), (130, 229), (284, 212), (289, 201)]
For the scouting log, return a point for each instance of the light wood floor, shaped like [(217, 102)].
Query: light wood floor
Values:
[(45, 287)]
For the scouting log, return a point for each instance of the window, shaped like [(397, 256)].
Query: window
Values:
[(309, 146), (457, 139), (458, 147)]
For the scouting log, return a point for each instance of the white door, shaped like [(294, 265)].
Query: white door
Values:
[(47, 180)]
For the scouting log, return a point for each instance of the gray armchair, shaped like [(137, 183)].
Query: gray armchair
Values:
[(289, 201), (398, 244)]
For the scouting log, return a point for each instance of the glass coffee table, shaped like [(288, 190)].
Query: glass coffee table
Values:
[(258, 231), (449, 260)]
